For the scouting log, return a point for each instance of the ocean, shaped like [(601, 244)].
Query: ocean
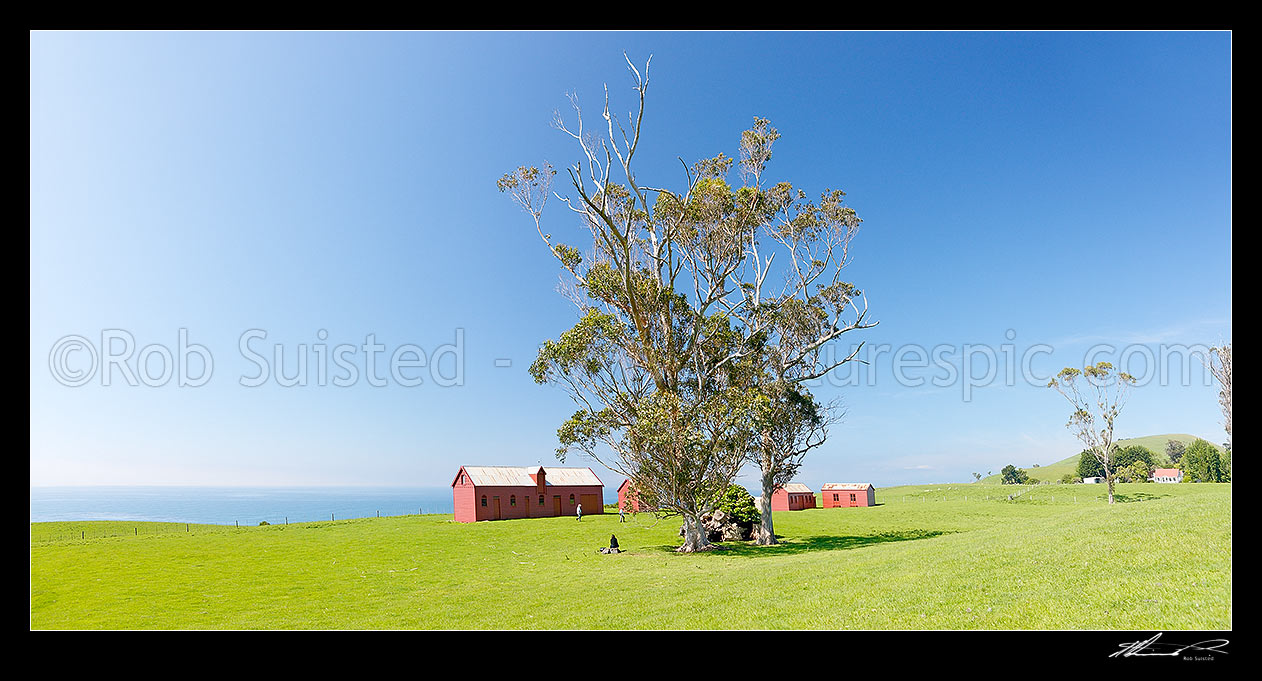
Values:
[(229, 505)]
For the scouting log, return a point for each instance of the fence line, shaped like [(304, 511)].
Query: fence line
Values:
[(1035, 492), (88, 529)]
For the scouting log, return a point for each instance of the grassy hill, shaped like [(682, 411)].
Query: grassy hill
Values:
[(927, 557), (1054, 471)]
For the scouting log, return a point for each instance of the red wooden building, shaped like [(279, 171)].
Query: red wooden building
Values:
[(502, 492), (848, 494), (628, 499), (792, 497)]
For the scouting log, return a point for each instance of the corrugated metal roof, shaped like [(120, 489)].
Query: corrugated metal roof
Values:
[(571, 476), (847, 485), (797, 488), (519, 476), (1166, 473)]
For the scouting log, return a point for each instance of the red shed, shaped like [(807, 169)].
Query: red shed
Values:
[(630, 500), (793, 497), (847, 494), (502, 492)]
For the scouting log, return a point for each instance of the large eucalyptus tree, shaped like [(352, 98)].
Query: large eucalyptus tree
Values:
[(694, 348)]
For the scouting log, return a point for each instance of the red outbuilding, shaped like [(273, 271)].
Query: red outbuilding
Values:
[(630, 500), (502, 492), (847, 494), (792, 497)]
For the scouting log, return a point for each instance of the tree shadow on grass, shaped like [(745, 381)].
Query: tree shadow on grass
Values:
[(1138, 496), (797, 545)]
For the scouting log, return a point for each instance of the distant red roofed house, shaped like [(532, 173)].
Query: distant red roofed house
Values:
[(503, 492), (1167, 475), (848, 494), (793, 497), (630, 500)]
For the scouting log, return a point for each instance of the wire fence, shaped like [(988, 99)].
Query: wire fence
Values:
[(62, 531)]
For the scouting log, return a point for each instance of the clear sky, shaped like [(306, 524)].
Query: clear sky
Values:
[(1065, 189)]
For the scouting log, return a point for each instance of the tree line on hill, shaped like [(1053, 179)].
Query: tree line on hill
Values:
[(1200, 461)]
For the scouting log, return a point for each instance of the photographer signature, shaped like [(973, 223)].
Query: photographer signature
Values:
[(1151, 648)]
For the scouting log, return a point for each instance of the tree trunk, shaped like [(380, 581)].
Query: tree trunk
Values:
[(1108, 477), (694, 536), (765, 533)]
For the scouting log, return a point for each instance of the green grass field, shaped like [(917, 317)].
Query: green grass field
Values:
[(924, 558), (1053, 472)]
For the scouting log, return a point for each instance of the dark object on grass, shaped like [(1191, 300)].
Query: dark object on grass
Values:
[(613, 541)]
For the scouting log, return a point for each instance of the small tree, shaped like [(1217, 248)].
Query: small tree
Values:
[(1128, 456), (1089, 466), (1142, 470), (1202, 463), (1011, 475), (1174, 451), (1137, 471), (1095, 413)]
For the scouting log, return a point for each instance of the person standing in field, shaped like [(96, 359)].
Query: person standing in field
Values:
[(578, 512), (622, 513)]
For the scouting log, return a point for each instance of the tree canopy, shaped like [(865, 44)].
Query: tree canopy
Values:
[(1202, 463), (1011, 475)]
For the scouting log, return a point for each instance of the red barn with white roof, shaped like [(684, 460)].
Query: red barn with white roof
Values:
[(793, 497), (848, 494), (503, 492)]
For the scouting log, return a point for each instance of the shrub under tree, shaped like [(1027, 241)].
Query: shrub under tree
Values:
[(739, 504)]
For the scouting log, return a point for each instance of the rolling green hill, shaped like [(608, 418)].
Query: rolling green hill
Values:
[(1054, 471)]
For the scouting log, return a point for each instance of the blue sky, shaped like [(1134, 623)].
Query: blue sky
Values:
[(1074, 188)]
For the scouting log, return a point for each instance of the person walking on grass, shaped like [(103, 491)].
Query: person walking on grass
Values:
[(622, 513), (578, 512)]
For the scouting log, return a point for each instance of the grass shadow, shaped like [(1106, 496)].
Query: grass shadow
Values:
[(796, 545), (1138, 496)]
